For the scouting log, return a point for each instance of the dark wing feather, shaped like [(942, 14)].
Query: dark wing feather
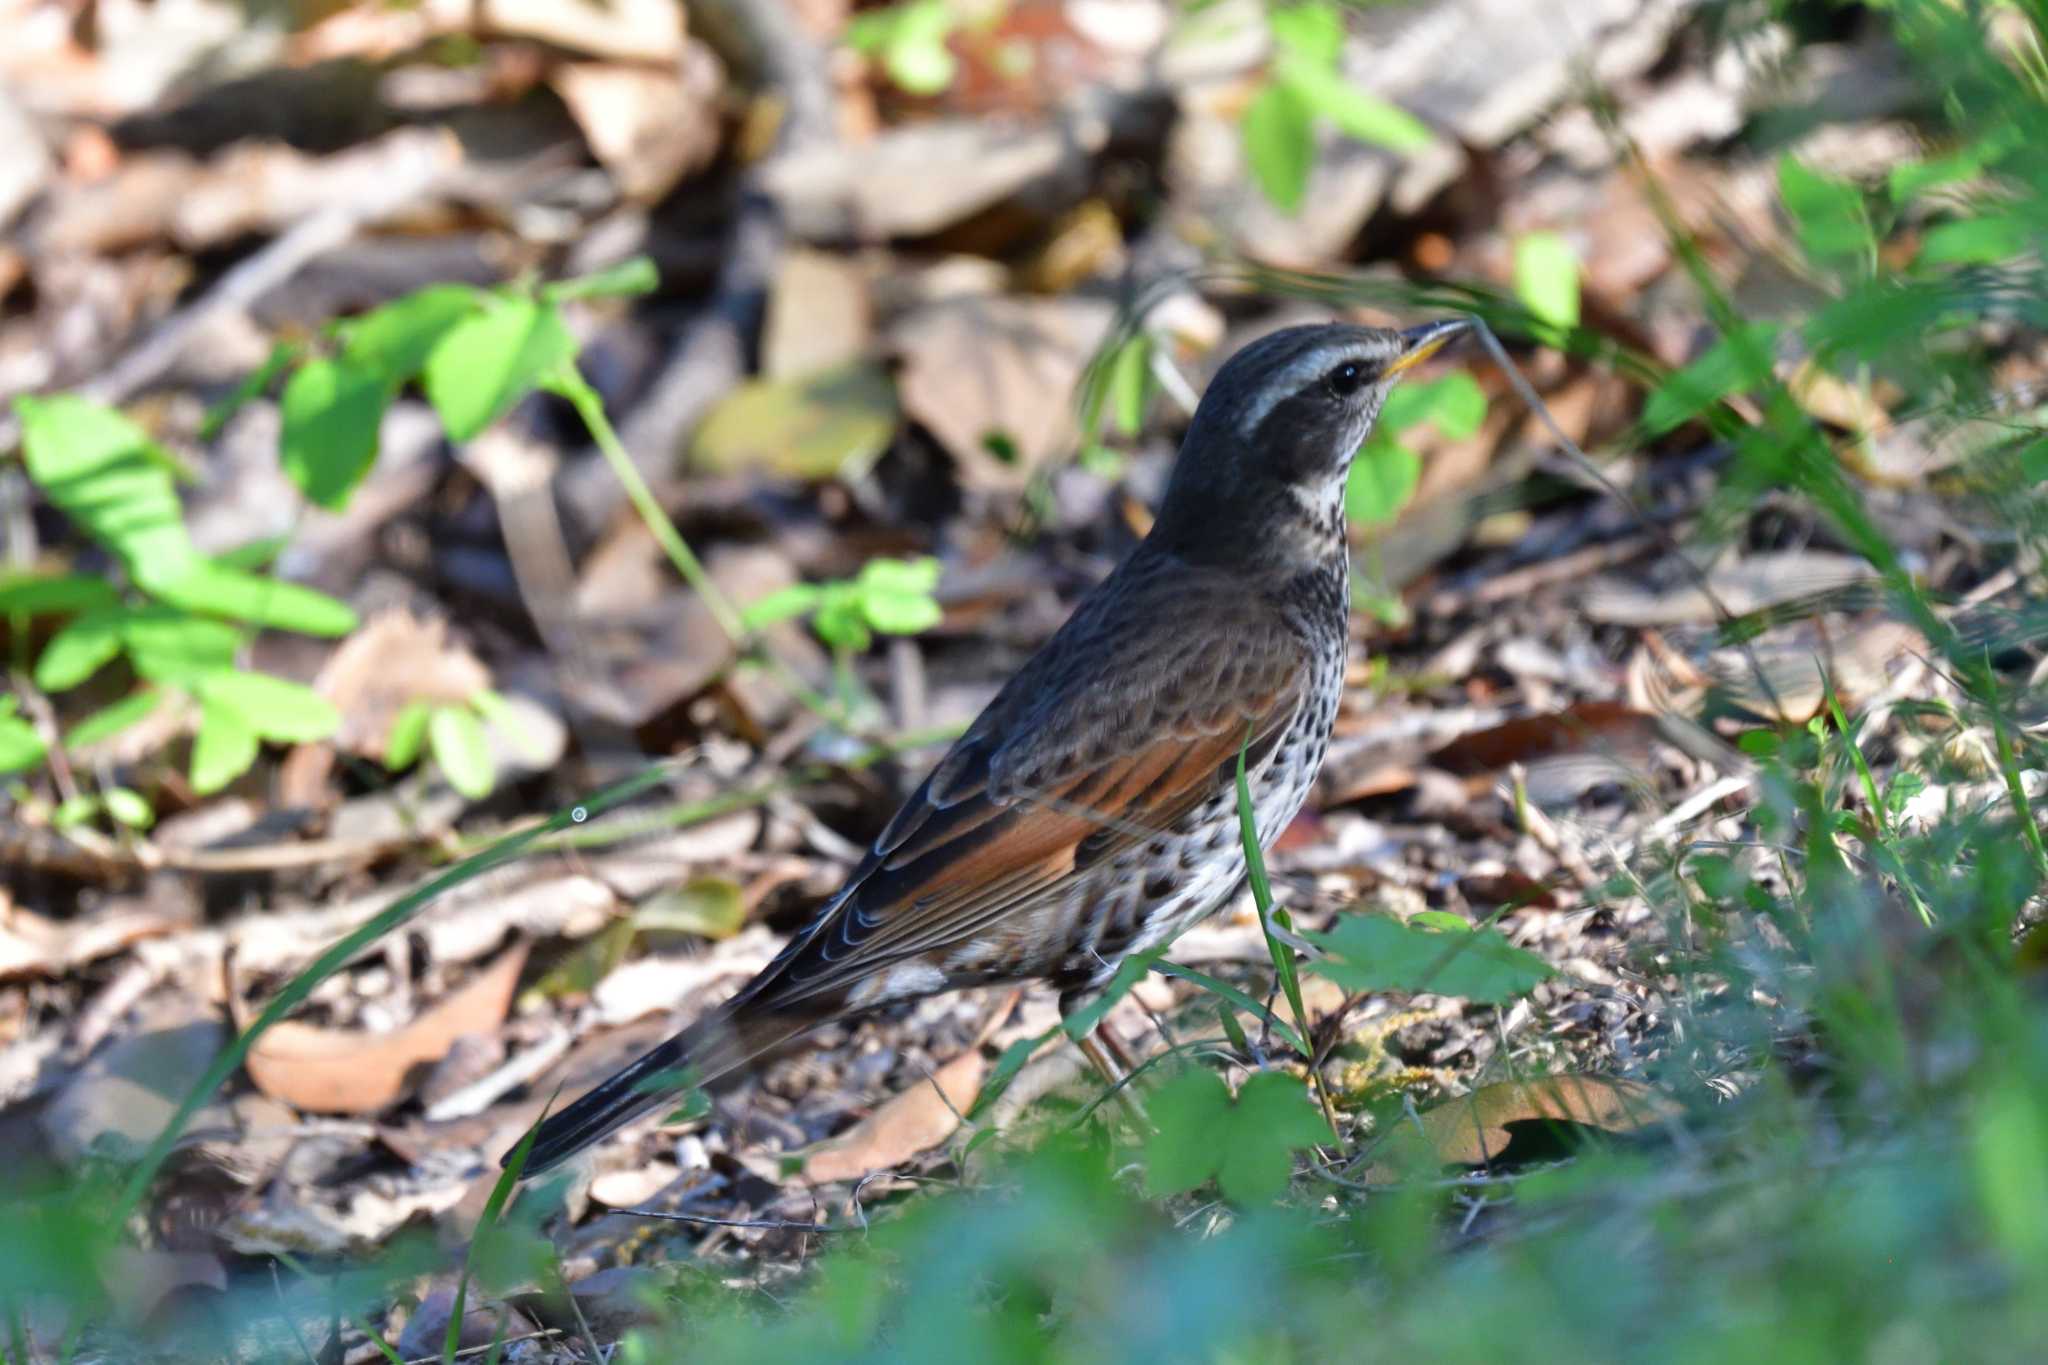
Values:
[(1124, 723)]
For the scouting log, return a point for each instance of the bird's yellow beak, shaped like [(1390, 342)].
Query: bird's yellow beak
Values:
[(1420, 343)]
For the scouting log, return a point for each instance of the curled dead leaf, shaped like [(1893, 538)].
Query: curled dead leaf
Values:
[(346, 1071), (1473, 1129)]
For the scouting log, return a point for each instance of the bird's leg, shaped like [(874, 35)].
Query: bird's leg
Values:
[(1094, 1046), (1107, 1055)]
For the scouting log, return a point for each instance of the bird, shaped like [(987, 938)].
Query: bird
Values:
[(1090, 811)]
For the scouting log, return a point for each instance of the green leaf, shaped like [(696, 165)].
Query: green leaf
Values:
[(1911, 178), (713, 907), (1130, 384), (828, 425), (76, 811), (408, 736), (172, 646), (200, 584), (274, 708), (914, 53), (784, 604), (280, 359), (459, 746), (1280, 144), (896, 595), (840, 620), (1248, 1146), (99, 469), (624, 280), (395, 340), (21, 748), (54, 594), (1547, 278), (1314, 33), (500, 715), (80, 649), (222, 750), (488, 362), (1368, 118), (1383, 477), (1830, 215), (1735, 364), (1975, 241), (332, 410), (112, 719), (1379, 953), (1454, 404), (129, 808), (253, 555)]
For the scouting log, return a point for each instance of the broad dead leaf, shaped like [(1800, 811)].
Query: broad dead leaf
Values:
[(345, 1071), (914, 1121), (646, 126), (1473, 1129), (993, 379), (31, 945)]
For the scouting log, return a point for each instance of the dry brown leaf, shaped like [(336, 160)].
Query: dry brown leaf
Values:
[(394, 660), (31, 945), (1473, 1129), (917, 1119), (1603, 727), (645, 125), (344, 1071), (995, 374)]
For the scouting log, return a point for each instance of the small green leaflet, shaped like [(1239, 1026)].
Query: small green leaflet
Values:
[(100, 470), (486, 363), (54, 593), (1380, 953), (201, 585), (1279, 144), (1311, 32), (332, 411), (222, 750), (1325, 91), (1975, 241), (1736, 363), (21, 748), (1547, 278), (395, 340), (272, 708), (1383, 477), (113, 718), (1830, 215), (408, 736), (1246, 1145), (896, 595), (457, 740)]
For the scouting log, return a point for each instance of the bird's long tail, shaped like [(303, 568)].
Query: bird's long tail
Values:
[(707, 1051)]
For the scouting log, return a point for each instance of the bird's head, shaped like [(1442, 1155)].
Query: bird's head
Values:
[(1273, 438)]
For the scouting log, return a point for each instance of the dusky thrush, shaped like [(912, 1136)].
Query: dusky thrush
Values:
[(1090, 811)]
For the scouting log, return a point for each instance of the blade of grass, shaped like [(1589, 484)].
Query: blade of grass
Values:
[(1269, 915), (357, 1320), (1880, 813), (345, 950), (494, 1207), (1223, 990)]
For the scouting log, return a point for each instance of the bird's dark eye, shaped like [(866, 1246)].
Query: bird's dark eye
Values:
[(1346, 379)]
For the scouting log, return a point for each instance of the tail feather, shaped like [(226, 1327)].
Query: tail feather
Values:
[(700, 1055)]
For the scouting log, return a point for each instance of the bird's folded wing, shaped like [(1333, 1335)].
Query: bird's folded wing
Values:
[(985, 837)]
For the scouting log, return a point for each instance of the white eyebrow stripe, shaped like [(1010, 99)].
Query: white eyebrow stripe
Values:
[(1292, 378)]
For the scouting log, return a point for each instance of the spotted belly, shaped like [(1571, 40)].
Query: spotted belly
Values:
[(1150, 893)]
